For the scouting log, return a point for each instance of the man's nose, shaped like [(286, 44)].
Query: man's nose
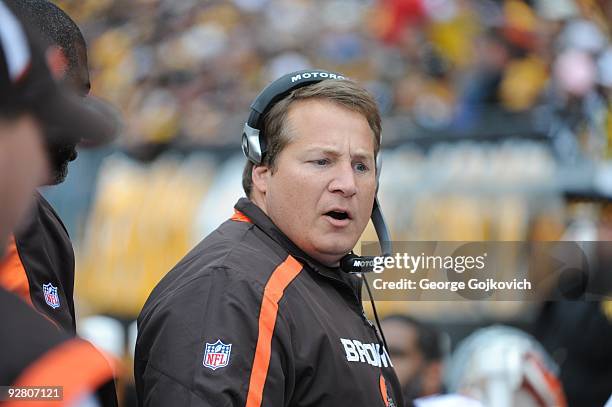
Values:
[(344, 180)]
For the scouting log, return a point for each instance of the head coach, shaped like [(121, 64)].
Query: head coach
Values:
[(259, 313)]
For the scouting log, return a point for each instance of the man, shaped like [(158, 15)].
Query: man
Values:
[(39, 266), (23, 161), (259, 313), (32, 351), (416, 353)]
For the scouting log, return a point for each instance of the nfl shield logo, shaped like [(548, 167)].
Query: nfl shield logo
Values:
[(217, 354), (51, 297)]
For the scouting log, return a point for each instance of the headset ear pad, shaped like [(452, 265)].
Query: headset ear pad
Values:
[(251, 144)]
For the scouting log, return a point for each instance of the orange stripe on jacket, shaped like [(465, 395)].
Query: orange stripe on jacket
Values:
[(76, 365), (273, 292), (240, 217), (13, 276), (383, 390)]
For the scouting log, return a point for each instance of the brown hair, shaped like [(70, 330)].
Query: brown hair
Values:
[(343, 92)]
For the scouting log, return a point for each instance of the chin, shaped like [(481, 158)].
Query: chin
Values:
[(59, 174), (60, 157), (332, 253)]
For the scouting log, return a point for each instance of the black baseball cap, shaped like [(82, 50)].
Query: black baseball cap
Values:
[(27, 85)]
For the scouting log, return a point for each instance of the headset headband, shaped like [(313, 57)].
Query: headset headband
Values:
[(253, 144)]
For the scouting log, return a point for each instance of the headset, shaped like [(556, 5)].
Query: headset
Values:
[(254, 147)]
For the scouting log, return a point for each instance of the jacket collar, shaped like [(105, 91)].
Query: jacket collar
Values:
[(263, 222)]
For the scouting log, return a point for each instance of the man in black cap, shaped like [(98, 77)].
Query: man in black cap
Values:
[(39, 266), (32, 107), (23, 161)]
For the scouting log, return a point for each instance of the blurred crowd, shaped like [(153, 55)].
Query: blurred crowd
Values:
[(186, 71)]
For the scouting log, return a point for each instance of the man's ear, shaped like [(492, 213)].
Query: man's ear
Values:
[(57, 62), (260, 175)]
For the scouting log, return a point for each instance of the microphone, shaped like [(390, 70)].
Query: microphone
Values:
[(353, 264)]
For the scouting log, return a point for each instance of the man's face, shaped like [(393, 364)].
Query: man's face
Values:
[(321, 190), (406, 356), (23, 166), (62, 150)]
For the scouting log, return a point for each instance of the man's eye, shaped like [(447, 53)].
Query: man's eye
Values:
[(361, 167), (321, 162)]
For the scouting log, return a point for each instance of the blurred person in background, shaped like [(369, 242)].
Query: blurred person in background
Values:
[(33, 351), (503, 366), (417, 355), (40, 257), (39, 263), (578, 334), (577, 331)]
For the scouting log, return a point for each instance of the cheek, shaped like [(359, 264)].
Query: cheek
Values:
[(294, 202), (368, 192), (294, 190)]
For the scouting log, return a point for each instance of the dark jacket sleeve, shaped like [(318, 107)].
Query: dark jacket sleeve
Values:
[(34, 352), (222, 309)]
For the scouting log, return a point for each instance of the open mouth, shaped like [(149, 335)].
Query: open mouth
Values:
[(338, 215)]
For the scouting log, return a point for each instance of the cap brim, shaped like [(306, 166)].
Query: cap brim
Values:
[(107, 113), (75, 118)]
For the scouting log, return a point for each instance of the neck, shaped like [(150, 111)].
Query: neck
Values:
[(259, 200)]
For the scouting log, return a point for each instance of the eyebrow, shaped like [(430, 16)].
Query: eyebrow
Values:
[(333, 152)]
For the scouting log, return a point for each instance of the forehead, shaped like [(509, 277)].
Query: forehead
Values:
[(320, 122)]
